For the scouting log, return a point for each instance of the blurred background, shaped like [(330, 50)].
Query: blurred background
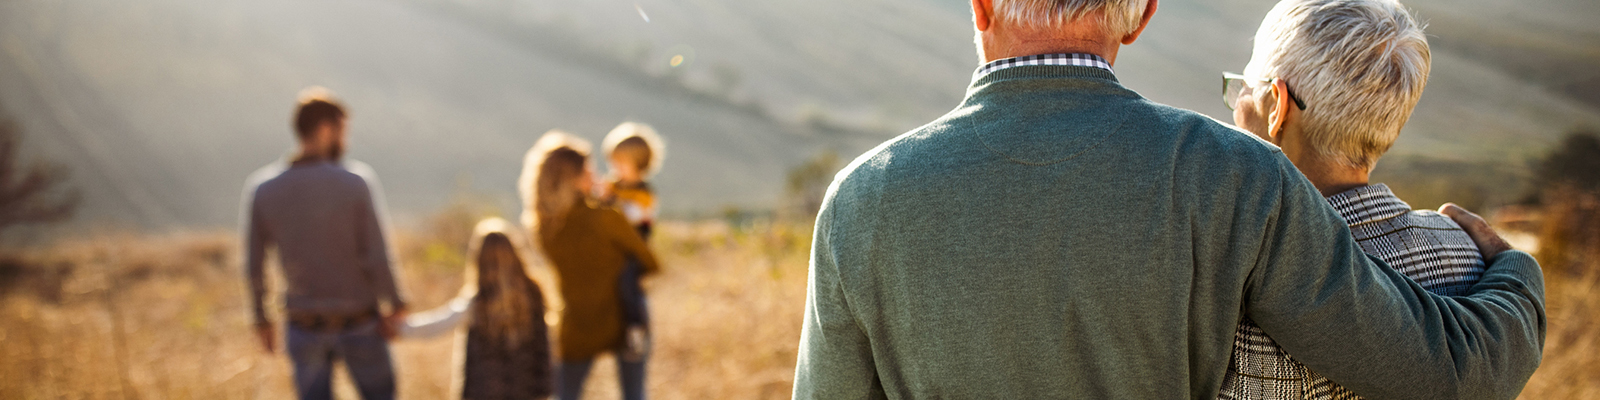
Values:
[(128, 128)]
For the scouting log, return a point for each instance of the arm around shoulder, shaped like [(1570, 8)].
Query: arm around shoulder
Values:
[(629, 240), (256, 239), (1366, 326)]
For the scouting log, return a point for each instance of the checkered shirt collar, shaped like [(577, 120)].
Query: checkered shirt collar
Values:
[(1074, 59), (1368, 204)]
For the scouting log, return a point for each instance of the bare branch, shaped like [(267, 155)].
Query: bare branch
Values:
[(32, 192)]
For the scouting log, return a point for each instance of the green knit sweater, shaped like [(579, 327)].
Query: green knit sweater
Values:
[(1058, 236)]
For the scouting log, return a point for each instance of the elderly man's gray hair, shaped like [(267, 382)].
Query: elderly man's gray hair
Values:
[(1120, 17), (1359, 65)]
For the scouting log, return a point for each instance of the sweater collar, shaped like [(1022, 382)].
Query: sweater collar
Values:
[(1020, 110), (1073, 59), (1030, 72)]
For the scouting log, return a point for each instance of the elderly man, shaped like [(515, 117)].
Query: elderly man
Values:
[(1058, 236), (1358, 68)]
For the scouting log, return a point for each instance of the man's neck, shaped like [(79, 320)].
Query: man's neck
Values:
[(308, 156), (1029, 49), (1007, 41)]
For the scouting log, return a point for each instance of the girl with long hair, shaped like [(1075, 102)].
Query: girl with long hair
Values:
[(504, 352), (587, 246)]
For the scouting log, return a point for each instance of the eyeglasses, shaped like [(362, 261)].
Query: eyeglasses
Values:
[(1234, 84)]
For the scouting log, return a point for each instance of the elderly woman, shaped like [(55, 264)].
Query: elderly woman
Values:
[(587, 247), (1332, 82)]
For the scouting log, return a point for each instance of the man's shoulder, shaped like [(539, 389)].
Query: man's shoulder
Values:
[(1205, 148), (349, 172), (870, 167), (266, 173), (360, 170), (1200, 132), (286, 176)]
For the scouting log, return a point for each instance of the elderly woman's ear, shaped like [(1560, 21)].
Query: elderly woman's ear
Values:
[(1278, 118)]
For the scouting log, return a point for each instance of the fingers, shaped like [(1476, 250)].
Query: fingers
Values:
[(269, 339), (389, 327), (1459, 214), (1483, 235)]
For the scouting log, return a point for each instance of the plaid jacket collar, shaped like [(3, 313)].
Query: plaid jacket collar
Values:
[(1368, 204), (1074, 59)]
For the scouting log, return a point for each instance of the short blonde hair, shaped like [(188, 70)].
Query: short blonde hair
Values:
[(1120, 17), (1359, 65), (639, 143)]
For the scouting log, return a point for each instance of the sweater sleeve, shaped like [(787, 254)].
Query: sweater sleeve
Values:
[(625, 237), (255, 249), (1366, 326), (375, 245), (835, 359), (438, 321)]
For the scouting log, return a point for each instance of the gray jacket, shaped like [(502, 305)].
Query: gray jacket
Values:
[(324, 219)]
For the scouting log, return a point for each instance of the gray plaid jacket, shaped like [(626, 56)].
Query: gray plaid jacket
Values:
[(1425, 246)]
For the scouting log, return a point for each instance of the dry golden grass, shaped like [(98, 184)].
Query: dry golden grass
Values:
[(1569, 252), (164, 317), (1571, 366)]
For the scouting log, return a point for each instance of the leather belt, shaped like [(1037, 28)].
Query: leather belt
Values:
[(329, 322)]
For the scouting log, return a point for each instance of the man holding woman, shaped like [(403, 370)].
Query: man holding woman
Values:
[(1059, 236)]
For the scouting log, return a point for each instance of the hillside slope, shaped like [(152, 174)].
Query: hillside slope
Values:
[(163, 106)]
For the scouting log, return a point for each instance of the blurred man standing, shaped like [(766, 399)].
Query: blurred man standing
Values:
[(323, 216), (1059, 236)]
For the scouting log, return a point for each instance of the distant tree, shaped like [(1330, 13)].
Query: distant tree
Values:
[(1569, 192), (809, 181), (31, 192), (1574, 164)]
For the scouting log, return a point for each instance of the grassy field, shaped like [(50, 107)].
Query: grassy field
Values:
[(163, 317)]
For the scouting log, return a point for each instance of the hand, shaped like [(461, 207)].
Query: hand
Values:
[(389, 328), (268, 336), (1482, 234)]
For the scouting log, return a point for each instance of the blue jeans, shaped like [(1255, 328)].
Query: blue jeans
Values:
[(365, 354), (635, 311), (630, 375)]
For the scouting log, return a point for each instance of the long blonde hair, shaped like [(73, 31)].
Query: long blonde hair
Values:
[(548, 183), (506, 302)]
